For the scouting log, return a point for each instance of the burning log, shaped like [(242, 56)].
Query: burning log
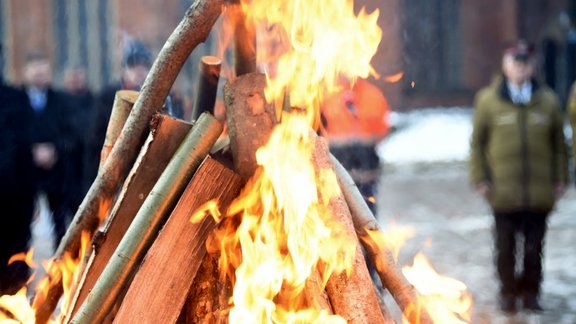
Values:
[(149, 218), (352, 296), (192, 30), (207, 86), (250, 120), (123, 102), (390, 274), (166, 135), (166, 275), (209, 295)]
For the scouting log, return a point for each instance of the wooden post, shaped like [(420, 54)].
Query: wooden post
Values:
[(352, 297), (207, 86), (148, 220), (390, 274), (164, 139), (250, 120), (192, 30), (123, 102), (161, 285)]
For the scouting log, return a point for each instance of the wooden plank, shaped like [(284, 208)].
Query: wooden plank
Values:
[(164, 139), (159, 290)]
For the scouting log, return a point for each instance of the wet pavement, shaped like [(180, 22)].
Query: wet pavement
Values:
[(453, 227)]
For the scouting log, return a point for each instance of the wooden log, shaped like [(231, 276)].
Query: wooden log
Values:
[(148, 220), (207, 86), (161, 285), (192, 30), (123, 102), (249, 118), (390, 274), (208, 301), (164, 139), (244, 42), (353, 297)]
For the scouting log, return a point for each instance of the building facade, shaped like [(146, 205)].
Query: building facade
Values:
[(447, 49)]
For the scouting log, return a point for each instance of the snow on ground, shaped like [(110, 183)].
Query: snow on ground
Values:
[(425, 187), (430, 135)]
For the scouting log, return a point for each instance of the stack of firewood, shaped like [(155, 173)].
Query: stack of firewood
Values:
[(148, 262)]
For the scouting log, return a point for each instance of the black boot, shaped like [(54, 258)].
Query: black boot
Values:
[(531, 302)]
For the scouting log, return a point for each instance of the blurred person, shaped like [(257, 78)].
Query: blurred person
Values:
[(16, 188), (52, 136), (80, 102), (355, 120), (136, 64), (519, 164)]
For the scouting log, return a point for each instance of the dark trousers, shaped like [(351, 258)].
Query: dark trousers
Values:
[(15, 218), (60, 214), (510, 226), (361, 158)]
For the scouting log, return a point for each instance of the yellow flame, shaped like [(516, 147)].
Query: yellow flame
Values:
[(279, 232), (284, 231), (305, 46), (18, 308), (445, 299), (392, 239)]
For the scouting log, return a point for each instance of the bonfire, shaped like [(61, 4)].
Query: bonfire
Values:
[(259, 224)]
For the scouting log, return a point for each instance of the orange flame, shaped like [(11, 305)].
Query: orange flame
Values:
[(394, 77), (18, 308), (279, 232), (285, 230)]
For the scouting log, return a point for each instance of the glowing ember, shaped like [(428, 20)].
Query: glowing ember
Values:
[(394, 77)]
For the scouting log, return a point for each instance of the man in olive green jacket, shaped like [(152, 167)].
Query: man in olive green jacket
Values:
[(519, 164)]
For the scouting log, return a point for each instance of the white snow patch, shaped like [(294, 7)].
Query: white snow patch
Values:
[(428, 135)]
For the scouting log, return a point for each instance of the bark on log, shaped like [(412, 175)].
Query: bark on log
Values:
[(123, 102), (192, 30), (209, 295), (207, 86), (163, 141), (161, 285), (149, 218), (250, 120), (352, 297), (244, 43), (390, 274)]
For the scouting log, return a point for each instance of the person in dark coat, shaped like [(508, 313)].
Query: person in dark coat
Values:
[(16, 189), (80, 101), (519, 164), (50, 131), (135, 67)]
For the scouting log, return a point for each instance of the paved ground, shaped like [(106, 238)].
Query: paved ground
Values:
[(453, 228)]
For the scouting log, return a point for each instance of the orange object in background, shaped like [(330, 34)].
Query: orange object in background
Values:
[(360, 113)]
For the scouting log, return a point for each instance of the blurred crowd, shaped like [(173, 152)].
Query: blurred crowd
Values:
[(50, 141)]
